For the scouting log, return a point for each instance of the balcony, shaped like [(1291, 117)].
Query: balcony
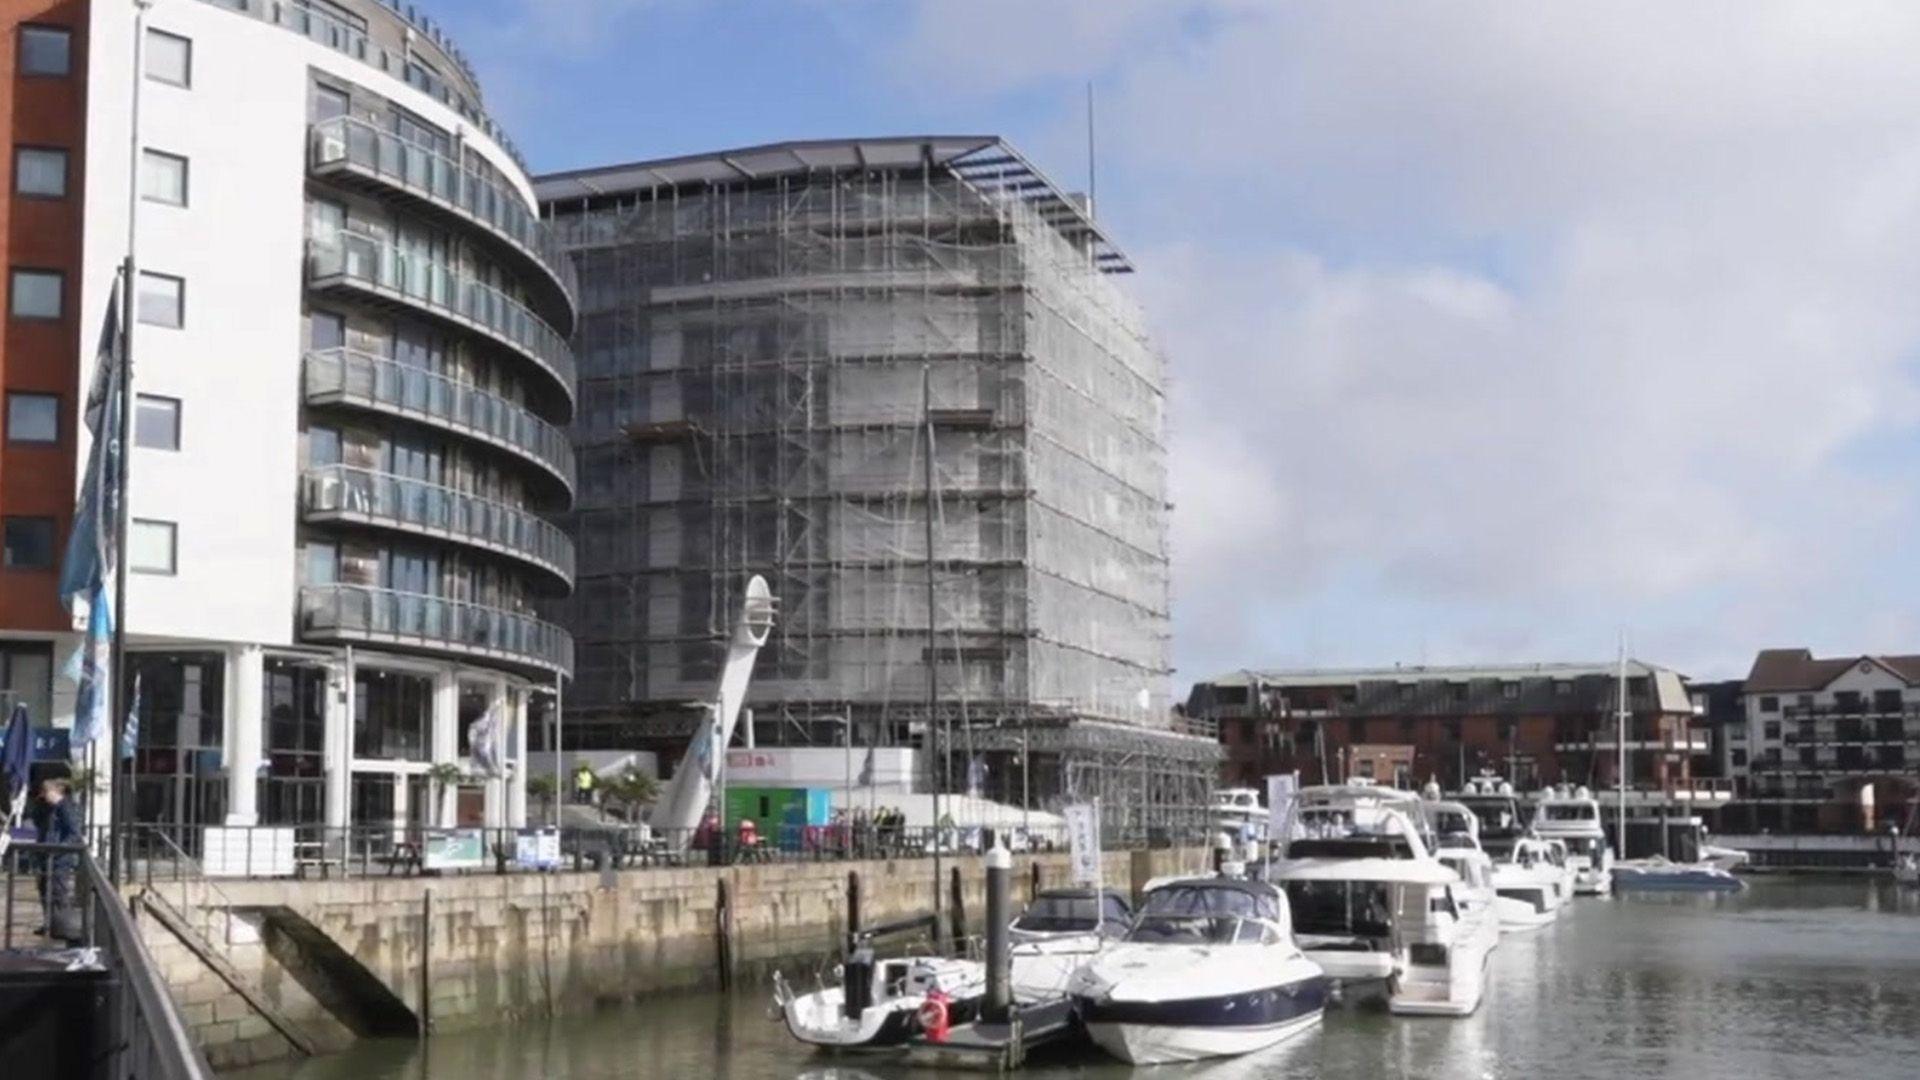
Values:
[(339, 493), (1696, 743), (366, 381), (340, 614), (349, 149), (372, 268)]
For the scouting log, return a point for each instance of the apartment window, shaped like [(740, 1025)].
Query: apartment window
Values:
[(37, 294), (29, 543), (329, 103), (1562, 688), (1885, 701), (1509, 690), (33, 418), (156, 422), (46, 50), (162, 300), (1770, 730), (40, 172), (1769, 704), (1739, 759), (163, 177), (152, 546), (169, 58)]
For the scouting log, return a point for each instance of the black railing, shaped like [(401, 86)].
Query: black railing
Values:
[(138, 1029)]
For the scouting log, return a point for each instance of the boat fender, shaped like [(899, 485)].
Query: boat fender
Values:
[(933, 1017)]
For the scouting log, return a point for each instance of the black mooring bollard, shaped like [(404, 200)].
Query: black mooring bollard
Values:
[(999, 947)]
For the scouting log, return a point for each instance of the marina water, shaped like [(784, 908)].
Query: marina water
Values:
[(1792, 978)]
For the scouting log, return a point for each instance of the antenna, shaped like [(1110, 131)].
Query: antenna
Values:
[(1093, 178)]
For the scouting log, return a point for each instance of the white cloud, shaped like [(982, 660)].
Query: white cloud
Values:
[(1514, 323)]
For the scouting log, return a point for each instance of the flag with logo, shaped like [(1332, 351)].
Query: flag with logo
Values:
[(92, 551), (483, 743), (130, 735)]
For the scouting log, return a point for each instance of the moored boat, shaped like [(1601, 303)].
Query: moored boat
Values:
[(877, 1005)]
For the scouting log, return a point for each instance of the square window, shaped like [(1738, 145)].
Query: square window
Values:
[(29, 543), (156, 422), (169, 58), (33, 418), (151, 546), (37, 294), (46, 50), (40, 172), (162, 300), (163, 177)]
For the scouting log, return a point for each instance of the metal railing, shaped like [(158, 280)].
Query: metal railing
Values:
[(352, 41), (359, 613), (144, 1034), (337, 492), (373, 264), (382, 385), (347, 142)]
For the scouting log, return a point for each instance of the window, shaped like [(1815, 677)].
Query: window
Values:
[(1769, 704), (1886, 701), (37, 294), (1739, 759), (156, 422), (326, 330), (46, 50), (1770, 730), (322, 563), (169, 58), (152, 547), (163, 177), (29, 543), (33, 418), (40, 172), (162, 300), (329, 103), (1509, 690), (1562, 688)]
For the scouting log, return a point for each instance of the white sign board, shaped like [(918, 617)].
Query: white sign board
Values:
[(1280, 797), (246, 852), (536, 849), (1083, 841)]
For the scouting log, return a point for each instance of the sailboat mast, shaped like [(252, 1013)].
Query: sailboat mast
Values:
[(1620, 724), (933, 670)]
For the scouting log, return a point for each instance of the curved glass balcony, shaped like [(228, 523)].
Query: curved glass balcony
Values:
[(350, 145), (364, 380), (372, 266), (363, 615), (337, 493)]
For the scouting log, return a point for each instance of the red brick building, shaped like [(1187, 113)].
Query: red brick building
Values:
[(1535, 723)]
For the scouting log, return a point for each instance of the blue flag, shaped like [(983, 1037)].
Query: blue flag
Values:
[(130, 735), (92, 546)]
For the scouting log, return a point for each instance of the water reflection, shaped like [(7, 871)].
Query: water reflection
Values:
[(1794, 978)]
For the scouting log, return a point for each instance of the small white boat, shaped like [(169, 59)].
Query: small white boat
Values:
[(1663, 875), (1725, 858), (1209, 969), (1528, 887), (877, 1004), (1572, 816)]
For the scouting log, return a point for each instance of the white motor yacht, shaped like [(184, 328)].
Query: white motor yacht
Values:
[(1529, 889), (1060, 932), (876, 1006), (1572, 816), (1208, 969)]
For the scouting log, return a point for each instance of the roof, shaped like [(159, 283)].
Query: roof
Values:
[(1409, 673), (987, 162), (1776, 670)]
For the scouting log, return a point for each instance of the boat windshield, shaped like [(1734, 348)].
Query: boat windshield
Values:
[(1497, 849), (1055, 914), (1569, 812), (1496, 814), (1340, 907), (1199, 914), (1582, 845)]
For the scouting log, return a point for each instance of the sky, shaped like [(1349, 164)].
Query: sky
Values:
[(1494, 330)]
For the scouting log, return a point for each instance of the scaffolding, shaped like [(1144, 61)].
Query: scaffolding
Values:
[(757, 331)]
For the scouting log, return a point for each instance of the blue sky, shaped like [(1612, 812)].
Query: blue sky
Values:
[(1493, 328)]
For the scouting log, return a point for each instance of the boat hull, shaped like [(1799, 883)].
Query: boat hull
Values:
[(1161, 1033), (1701, 880), (1525, 909), (1352, 965)]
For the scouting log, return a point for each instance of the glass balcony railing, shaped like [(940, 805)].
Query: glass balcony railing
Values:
[(333, 613), (371, 264), (341, 492), (318, 26), (350, 143), (374, 382)]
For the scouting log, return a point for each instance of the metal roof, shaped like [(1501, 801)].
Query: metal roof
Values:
[(987, 162), (1414, 673)]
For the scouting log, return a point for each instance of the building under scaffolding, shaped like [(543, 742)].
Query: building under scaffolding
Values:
[(854, 366)]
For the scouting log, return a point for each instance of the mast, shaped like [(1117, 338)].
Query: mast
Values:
[(933, 670), (1620, 725)]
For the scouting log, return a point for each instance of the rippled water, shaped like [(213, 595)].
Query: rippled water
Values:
[(1791, 979)]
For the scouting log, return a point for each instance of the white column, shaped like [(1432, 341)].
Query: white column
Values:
[(338, 740), (246, 679), (519, 700), (446, 740)]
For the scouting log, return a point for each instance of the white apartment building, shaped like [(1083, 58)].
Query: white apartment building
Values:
[(353, 383), (1828, 742)]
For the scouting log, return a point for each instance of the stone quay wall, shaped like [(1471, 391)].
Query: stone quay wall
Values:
[(481, 948)]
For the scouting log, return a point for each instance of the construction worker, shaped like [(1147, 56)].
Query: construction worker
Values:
[(583, 785)]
